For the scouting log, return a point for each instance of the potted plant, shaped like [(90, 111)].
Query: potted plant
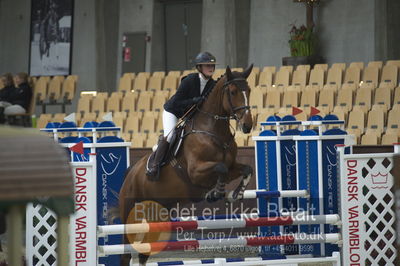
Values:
[(301, 41)]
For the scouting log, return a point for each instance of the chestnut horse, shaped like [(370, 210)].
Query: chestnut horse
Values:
[(207, 155)]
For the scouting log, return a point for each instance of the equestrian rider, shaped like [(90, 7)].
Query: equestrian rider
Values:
[(191, 91)]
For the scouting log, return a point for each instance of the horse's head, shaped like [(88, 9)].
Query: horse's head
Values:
[(236, 98)]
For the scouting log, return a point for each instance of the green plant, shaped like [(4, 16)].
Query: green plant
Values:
[(302, 41)]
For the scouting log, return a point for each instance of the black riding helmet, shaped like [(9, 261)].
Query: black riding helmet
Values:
[(205, 58)]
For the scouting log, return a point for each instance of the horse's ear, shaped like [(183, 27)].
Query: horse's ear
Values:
[(247, 72), (228, 72)]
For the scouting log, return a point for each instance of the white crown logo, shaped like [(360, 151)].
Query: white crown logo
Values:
[(379, 178)]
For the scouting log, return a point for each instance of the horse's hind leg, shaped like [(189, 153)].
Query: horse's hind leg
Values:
[(245, 172)]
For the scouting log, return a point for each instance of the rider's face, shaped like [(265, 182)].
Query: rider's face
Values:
[(208, 70)]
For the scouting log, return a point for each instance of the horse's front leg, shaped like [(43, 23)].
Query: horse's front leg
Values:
[(243, 171), (206, 170)]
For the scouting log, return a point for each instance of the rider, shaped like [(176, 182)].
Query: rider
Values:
[(191, 91)]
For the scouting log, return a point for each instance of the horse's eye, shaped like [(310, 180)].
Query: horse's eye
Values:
[(233, 93)]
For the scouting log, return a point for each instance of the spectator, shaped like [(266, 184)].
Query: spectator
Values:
[(18, 99), (8, 82)]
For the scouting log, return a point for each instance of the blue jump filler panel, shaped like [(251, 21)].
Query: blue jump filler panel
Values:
[(299, 159), (112, 160)]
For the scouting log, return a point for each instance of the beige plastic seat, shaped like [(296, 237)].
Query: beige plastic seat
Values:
[(393, 62), (356, 120), (122, 114), (138, 140), (143, 74), (306, 67), (151, 140), (316, 82), (175, 73), (288, 68), (389, 76), (334, 79), (271, 69), (389, 138), (102, 95), (383, 98), (273, 100), (393, 122), (265, 79), (396, 97), (140, 82), (378, 64), (188, 71), (126, 82), (257, 99), (363, 99), (99, 104), (251, 80), (370, 138), (237, 69), (119, 122), (69, 88), (126, 137), (54, 92), (114, 104), (282, 78), (370, 77), (352, 78), (376, 121), (290, 99), (160, 74), (155, 83), (241, 139), (308, 100), (87, 117), (84, 104), (263, 114), (129, 102), (344, 99), (299, 80), (144, 102), (340, 113), (170, 83), (359, 65), (324, 67), (132, 124), (158, 102), (148, 125), (341, 66), (43, 120), (59, 117), (41, 87), (326, 101)]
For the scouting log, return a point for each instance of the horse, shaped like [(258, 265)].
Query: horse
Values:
[(207, 157)]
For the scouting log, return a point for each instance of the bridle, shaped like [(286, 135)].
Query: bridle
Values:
[(234, 110)]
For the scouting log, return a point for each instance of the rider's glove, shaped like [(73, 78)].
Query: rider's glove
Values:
[(196, 100)]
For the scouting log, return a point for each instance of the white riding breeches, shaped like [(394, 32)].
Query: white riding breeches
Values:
[(169, 122)]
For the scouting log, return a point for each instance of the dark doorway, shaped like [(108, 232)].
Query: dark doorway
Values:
[(182, 33), (134, 52)]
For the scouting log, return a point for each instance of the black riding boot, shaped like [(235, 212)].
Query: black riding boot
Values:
[(153, 171)]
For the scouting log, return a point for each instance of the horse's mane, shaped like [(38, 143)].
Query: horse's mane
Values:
[(235, 74)]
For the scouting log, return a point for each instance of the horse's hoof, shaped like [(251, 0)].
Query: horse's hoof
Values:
[(214, 196), (233, 196)]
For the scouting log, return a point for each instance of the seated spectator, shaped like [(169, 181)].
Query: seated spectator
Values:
[(8, 82), (17, 101)]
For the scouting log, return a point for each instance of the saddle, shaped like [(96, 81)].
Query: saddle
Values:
[(163, 155)]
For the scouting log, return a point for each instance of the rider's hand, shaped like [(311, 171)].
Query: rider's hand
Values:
[(196, 100)]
